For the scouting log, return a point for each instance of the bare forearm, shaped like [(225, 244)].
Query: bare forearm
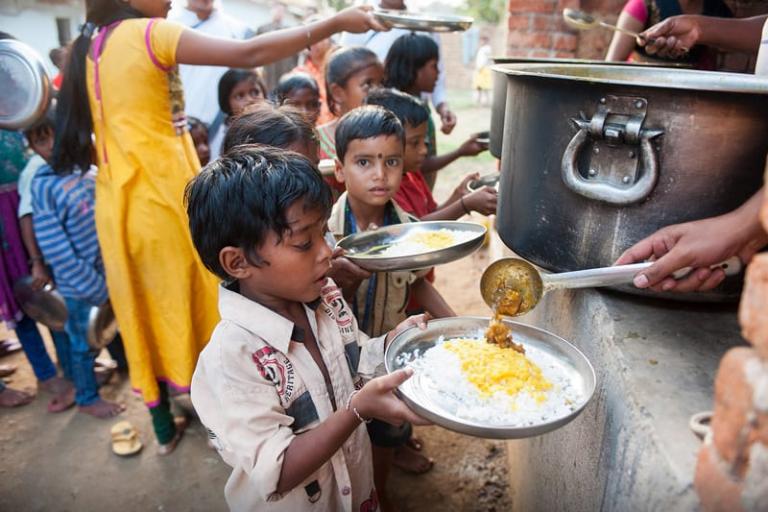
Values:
[(452, 211), (431, 300), (747, 219), (28, 237), (196, 48), (732, 33), (437, 162), (308, 451)]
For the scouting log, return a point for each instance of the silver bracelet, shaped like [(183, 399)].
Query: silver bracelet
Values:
[(354, 409)]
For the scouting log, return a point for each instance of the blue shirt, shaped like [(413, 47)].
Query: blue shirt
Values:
[(66, 233)]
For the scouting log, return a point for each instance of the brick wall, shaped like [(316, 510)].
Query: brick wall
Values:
[(732, 470), (536, 29)]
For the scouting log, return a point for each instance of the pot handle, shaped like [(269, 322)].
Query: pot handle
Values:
[(639, 191)]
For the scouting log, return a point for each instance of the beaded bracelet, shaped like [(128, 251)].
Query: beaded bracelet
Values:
[(354, 409)]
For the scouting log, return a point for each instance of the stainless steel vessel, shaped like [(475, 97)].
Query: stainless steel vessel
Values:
[(25, 84), (598, 157)]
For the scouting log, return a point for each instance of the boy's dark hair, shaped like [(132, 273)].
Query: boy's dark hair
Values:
[(236, 200), (408, 54), (365, 123), (408, 109), (47, 122), (342, 64), (230, 79), (74, 126), (264, 124), (293, 82)]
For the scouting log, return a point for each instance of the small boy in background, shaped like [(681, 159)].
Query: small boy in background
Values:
[(369, 147), (414, 195), (63, 218), (199, 133), (289, 424)]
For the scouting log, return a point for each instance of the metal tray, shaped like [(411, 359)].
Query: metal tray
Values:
[(423, 22), (421, 394), (25, 85), (364, 248), (489, 180), (326, 166), (45, 306)]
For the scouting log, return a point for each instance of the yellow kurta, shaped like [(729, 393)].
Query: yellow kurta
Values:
[(164, 299)]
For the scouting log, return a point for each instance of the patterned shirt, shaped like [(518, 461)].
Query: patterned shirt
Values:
[(256, 387), (66, 233)]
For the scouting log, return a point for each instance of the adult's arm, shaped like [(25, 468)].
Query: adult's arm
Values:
[(622, 45), (200, 49)]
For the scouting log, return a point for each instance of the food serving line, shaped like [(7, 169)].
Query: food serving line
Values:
[(594, 157)]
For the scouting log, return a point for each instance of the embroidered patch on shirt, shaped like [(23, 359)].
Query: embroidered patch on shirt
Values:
[(278, 369)]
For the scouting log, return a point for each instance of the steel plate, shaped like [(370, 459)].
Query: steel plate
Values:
[(489, 180), (424, 396), (423, 22), (25, 85), (364, 248)]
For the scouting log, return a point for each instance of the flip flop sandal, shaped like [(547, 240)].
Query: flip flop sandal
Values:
[(62, 401), (125, 439), (700, 424), (9, 347)]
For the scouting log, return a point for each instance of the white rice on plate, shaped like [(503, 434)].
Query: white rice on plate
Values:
[(420, 241)]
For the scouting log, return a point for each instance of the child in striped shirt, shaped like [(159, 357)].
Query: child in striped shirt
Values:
[(66, 233)]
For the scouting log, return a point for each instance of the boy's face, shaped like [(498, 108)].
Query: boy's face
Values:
[(244, 93), (372, 169), (41, 142), (415, 146), (295, 267)]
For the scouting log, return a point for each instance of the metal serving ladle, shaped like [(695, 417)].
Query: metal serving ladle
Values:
[(514, 286), (580, 20)]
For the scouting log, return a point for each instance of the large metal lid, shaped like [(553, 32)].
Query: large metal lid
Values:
[(25, 86), (640, 76)]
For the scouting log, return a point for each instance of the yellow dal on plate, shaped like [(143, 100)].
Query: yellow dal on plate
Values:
[(491, 369)]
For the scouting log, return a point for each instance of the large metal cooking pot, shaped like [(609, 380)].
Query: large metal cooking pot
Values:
[(599, 157), (499, 103), (25, 86)]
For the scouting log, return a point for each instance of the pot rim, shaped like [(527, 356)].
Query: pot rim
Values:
[(642, 76)]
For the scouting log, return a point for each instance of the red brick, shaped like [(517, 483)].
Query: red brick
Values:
[(716, 489), (529, 40), (753, 310), (532, 6), (545, 22), (540, 54), (567, 42), (518, 21), (565, 55), (573, 4)]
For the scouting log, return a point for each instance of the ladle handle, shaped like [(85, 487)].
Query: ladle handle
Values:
[(622, 274), (619, 29)]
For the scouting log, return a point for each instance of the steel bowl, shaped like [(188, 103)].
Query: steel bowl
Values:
[(364, 249), (489, 180), (422, 395), (25, 84), (423, 22), (102, 326), (44, 306)]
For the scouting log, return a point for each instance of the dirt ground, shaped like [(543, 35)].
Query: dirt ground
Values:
[(63, 462)]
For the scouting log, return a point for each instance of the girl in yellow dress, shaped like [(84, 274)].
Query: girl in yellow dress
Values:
[(122, 86)]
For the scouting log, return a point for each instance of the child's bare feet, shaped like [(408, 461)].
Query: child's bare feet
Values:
[(102, 409), (13, 397), (411, 461), (62, 400), (415, 443), (55, 385)]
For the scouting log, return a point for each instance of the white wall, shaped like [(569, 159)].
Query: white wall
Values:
[(36, 25)]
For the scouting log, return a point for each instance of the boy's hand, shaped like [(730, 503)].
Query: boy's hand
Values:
[(377, 400), (419, 321), (346, 274), (482, 201), (447, 118), (40, 275), (672, 38), (358, 19), (472, 147), (462, 189)]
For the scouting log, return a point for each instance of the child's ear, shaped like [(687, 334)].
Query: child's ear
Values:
[(339, 170), (337, 93), (234, 262)]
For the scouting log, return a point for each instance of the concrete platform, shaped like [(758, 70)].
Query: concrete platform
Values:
[(631, 448)]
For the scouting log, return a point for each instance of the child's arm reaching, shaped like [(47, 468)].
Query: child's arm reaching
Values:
[(310, 450), (428, 296), (482, 201), (197, 48), (470, 147)]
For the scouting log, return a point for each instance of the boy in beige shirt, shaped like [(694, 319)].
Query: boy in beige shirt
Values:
[(283, 384)]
